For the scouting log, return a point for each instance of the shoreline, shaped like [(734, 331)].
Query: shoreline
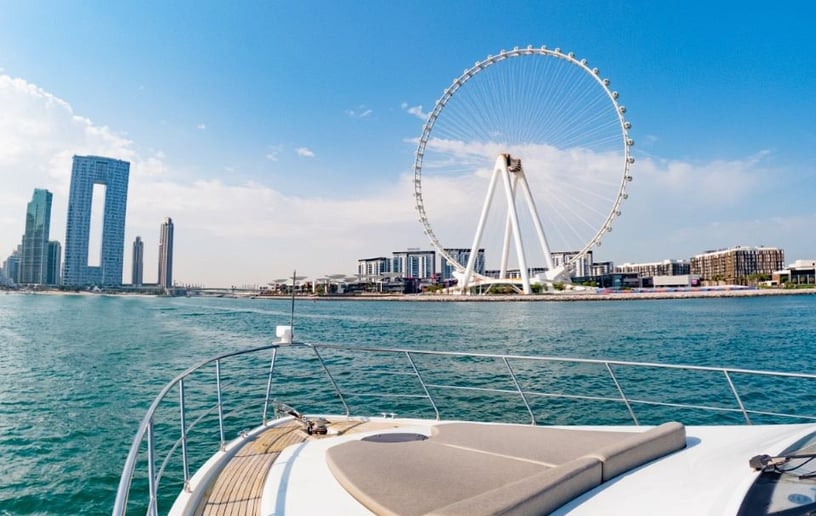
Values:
[(553, 297), (624, 295)]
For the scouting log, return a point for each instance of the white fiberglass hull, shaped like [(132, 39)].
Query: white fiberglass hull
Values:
[(710, 476)]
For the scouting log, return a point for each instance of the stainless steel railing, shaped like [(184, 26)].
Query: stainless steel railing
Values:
[(428, 387), (146, 432)]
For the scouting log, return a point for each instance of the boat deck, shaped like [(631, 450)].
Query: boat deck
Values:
[(283, 470), (277, 468), (238, 489), (484, 468)]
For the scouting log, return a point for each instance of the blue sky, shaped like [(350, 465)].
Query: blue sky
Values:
[(278, 134)]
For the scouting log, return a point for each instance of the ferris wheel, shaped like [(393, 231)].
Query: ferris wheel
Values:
[(546, 129)]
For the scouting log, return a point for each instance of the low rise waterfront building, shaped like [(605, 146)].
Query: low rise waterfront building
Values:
[(515, 273), (800, 272), (675, 281), (462, 255), (651, 269), (613, 280), (601, 268), (414, 263), (373, 268), (580, 268), (737, 265)]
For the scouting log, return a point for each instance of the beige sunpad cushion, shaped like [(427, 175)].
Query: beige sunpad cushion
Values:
[(469, 468)]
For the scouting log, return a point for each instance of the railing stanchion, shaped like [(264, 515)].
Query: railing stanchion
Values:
[(521, 392), (331, 379), (152, 508), (269, 384), (736, 395), (422, 382), (184, 462), (223, 445), (623, 396)]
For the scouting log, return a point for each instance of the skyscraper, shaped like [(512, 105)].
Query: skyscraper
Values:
[(113, 174), (166, 254), (52, 271), (34, 255), (11, 267), (137, 274)]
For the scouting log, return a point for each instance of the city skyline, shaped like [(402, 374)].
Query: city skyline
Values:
[(301, 158)]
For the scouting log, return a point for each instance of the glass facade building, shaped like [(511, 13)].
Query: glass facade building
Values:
[(88, 171), (462, 256), (52, 272), (137, 272), (11, 267), (166, 254), (414, 264), (373, 268), (664, 268), (582, 267), (33, 268)]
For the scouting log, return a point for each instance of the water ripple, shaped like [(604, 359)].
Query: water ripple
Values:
[(80, 371)]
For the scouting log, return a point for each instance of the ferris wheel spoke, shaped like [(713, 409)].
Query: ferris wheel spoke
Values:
[(570, 219), (588, 211)]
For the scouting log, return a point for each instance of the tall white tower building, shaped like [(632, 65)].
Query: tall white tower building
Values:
[(166, 254)]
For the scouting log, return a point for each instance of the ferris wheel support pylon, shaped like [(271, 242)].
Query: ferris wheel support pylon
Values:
[(468, 274), (512, 176)]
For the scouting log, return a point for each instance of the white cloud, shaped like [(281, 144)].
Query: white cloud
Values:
[(39, 134), (304, 152), (414, 110), (274, 153), (360, 112), (648, 140), (679, 209), (249, 232), (226, 234), (724, 182), (201, 126), (669, 214)]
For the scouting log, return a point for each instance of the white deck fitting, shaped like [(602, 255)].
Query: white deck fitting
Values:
[(711, 476)]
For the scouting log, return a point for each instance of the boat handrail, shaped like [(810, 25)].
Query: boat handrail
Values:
[(146, 427)]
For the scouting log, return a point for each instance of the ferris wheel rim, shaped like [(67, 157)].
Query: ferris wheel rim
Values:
[(479, 66)]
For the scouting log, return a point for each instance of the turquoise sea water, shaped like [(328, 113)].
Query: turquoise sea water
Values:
[(78, 372)]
